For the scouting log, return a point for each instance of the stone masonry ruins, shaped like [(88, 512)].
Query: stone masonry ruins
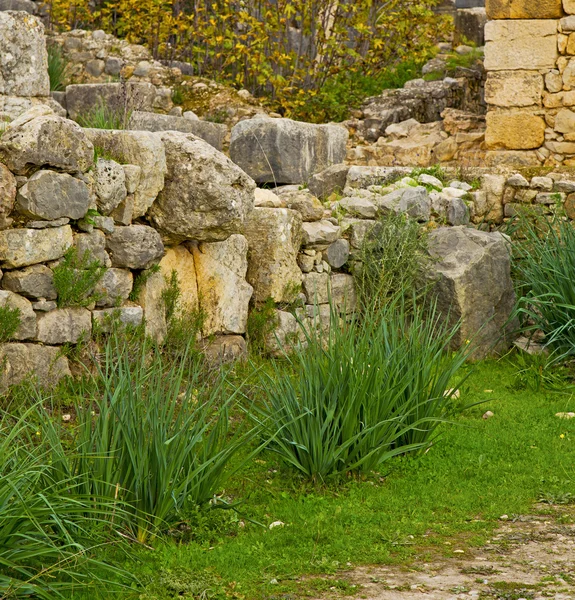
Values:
[(193, 196)]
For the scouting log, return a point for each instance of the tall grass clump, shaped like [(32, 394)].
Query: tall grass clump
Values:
[(47, 527), (57, 68), (157, 437), (373, 388), (391, 259), (76, 277), (102, 116), (545, 266)]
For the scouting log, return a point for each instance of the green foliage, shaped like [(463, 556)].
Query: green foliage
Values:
[(9, 322), (157, 438), (300, 55), (435, 171), (76, 277), (262, 321), (177, 95), (465, 61), (391, 261), (348, 90), (371, 389), (57, 68), (47, 527), (103, 116), (171, 295), (140, 281), (545, 266)]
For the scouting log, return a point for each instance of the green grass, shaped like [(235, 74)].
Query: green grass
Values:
[(477, 471)]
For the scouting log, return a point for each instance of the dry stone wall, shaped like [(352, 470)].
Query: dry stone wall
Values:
[(148, 203), (530, 87)]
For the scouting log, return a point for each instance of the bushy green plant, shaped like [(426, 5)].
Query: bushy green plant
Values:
[(103, 116), (171, 295), (391, 261), (76, 277), (262, 321), (545, 263), (47, 526), (9, 322), (370, 389), (156, 438), (57, 68)]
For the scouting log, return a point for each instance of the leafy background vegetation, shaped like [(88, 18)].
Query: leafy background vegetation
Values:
[(309, 59)]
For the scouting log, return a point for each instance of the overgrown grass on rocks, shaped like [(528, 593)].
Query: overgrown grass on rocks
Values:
[(545, 266)]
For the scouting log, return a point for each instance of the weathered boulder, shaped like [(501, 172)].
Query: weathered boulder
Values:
[(472, 274), (23, 247), (212, 133), (223, 291), (21, 5), (64, 326), (34, 282), (343, 292), (328, 181), (135, 247), (151, 300), (309, 207), (286, 151), (110, 185), (109, 318), (22, 361), (23, 55), (524, 9), (49, 195), (320, 233), (287, 334), (316, 288), (48, 140), (7, 196), (118, 98), (362, 208), (274, 237), (514, 130), (206, 197), (141, 148), (363, 177), (337, 254), (225, 349), (92, 246), (27, 328), (181, 260), (415, 202), (114, 287)]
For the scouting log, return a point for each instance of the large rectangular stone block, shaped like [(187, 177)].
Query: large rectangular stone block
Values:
[(514, 88), (521, 45), (524, 9), (514, 130)]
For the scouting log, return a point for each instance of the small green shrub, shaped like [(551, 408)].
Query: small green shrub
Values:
[(391, 261), (545, 263), (435, 171), (76, 277), (368, 390), (262, 320), (103, 116), (156, 438), (9, 322), (57, 68), (171, 295), (177, 96)]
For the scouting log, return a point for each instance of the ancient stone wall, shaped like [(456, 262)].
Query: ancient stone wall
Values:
[(530, 87)]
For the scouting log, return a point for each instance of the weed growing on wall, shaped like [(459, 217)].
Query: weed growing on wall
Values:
[(76, 277), (9, 322)]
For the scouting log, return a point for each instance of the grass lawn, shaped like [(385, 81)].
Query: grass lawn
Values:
[(447, 499)]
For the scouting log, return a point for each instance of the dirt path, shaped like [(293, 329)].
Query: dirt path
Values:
[(531, 557)]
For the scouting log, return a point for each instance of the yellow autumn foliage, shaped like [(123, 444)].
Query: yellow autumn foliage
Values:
[(288, 51)]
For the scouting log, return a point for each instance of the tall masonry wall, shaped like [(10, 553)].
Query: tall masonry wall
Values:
[(530, 87)]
